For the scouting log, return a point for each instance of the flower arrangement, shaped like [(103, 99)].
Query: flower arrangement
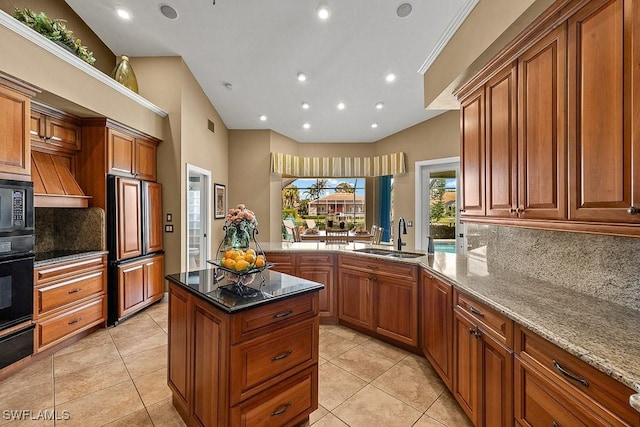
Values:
[(55, 30), (240, 215)]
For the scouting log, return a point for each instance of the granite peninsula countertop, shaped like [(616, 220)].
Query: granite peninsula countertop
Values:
[(265, 287), (603, 334), (55, 257)]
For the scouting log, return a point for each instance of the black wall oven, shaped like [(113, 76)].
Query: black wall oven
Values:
[(16, 271)]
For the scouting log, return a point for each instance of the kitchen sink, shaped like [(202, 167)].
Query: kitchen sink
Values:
[(391, 254)]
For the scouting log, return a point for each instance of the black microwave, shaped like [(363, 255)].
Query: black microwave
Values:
[(16, 207)]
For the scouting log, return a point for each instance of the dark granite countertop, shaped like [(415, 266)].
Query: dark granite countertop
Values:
[(54, 257), (265, 287)]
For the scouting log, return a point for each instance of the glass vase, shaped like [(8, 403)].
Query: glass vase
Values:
[(123, 74)]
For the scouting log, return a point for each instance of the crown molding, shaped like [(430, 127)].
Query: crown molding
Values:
[(455, 23), (21, 29)]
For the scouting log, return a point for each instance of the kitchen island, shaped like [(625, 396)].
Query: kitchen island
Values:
[(243, 360)]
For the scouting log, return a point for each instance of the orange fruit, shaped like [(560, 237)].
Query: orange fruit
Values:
[(250, 258), (260, 262), (229, 263), (250, 251), (241, 265), (229, 254)]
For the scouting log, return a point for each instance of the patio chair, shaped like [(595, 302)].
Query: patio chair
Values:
[(340, 237)]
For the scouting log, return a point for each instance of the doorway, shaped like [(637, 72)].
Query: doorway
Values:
[(198, 217), (437, 213)]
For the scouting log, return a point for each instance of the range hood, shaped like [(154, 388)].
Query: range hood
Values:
[(54, 186)]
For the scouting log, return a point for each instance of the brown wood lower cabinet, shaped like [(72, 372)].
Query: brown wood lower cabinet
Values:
[(317, 267), (379, 296), (436, 314), (256, 367), (141, 283), (70, 297), (482, 368), (553, 386)]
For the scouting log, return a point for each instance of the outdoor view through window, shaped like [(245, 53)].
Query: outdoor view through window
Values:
[(312, 202)]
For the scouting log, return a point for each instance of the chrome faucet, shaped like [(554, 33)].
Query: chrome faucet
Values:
[(402, 229)]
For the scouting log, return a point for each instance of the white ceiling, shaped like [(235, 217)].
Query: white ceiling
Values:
[(259, 46)]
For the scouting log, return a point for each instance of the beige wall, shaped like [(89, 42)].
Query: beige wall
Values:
[(169, 83), (58, 9), (249, 150), (489, 27)]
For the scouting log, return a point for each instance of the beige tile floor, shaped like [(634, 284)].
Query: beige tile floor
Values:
[(117, 377)]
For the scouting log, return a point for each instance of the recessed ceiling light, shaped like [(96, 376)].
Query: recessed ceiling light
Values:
[(263, 118), (341, 105), (168, 11), (390, 77), (404, 10), (302, 77), (123, 14), (323, 12), (306, 125), (379, 105), (305, 105), (374, 125)]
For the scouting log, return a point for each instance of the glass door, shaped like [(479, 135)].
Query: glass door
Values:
[(198, 219)]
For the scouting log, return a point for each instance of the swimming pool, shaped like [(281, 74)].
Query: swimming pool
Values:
[(444, 246)]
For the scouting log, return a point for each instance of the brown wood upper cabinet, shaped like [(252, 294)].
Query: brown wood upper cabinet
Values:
[(513, 144), (15, 149), (54, 130), (549, 136), (131, 156), (603, 139)]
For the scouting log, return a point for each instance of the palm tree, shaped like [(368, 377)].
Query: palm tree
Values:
[(290, 196), (345, 187), (316, 190)]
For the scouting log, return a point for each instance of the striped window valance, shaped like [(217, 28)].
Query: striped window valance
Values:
[(290, 165)]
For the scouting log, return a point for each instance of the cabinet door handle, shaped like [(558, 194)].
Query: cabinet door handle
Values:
[(569, 374), (75, 321), (472, 331), (513, 210), (633, 211), (476, 311), (478, 334), (283, 314), (281, 410), (555, 424), (74, 291), (282, 355)]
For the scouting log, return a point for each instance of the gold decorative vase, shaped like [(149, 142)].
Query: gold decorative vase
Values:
[(123, 74)]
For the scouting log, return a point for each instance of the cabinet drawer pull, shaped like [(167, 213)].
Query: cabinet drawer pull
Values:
[(283, 314), (555, 424), (476, 311), (282, 355), (74, 291), (472, 331), (75, 321), (569, 374), (633, 211), (281, 410)]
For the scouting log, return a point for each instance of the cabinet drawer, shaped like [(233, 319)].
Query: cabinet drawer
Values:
[(64, 269), (281, 258), (259, 363), (309, 260), (60, 326), (609, 397), (539, 403), (492, 322), (250, 323), (284, 405), (58, 294), (380, 267)]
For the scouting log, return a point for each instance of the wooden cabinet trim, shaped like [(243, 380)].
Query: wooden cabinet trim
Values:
[(489, 320)]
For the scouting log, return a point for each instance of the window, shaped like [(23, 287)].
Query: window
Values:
[(315, 198)]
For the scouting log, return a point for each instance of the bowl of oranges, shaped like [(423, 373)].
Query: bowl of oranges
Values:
[(242, 261)]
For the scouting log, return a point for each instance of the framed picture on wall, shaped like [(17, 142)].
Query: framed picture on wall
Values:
[(220, 197)]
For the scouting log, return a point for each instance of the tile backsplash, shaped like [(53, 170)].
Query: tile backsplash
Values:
[(66, 229), (606, 267)]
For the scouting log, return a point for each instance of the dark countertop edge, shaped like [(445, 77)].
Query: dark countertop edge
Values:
[(427, 262), (66, 258), (233, 310)]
